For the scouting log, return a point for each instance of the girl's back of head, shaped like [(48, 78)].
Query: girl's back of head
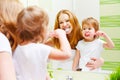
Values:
[(31, 24)]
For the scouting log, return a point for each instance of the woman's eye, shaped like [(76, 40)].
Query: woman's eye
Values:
[(60, 22), (67, 20)]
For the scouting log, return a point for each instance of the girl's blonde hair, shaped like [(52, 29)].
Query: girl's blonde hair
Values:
[(31, 24), (9, 10), (75, 35), (91, 21)]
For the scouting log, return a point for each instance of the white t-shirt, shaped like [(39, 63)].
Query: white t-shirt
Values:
[(31, 61), (4, 44), (65, 64), (89, 50)]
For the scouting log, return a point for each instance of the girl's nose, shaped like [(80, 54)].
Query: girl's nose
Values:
[(87, 29)]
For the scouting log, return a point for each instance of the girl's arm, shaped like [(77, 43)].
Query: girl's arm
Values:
[(76, 60), (109, 43), (7, 71), (65, 50)]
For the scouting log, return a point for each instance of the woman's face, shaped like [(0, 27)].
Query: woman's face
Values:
[(65, 24)]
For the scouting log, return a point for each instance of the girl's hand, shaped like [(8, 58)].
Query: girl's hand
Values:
[(57, 33), (100, 34)]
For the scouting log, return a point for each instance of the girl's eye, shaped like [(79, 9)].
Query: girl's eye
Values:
[(89, 28), (83, 29)]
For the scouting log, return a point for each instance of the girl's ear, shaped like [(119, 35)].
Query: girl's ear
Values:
[(96, 36)]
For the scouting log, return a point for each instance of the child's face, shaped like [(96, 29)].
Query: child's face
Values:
[(88, 32), (64, 23)]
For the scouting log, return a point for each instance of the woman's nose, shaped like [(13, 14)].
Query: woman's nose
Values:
[(64, 24)]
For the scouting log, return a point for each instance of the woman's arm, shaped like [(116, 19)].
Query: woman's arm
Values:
[(49, 42), (76, 60), (7, 71)]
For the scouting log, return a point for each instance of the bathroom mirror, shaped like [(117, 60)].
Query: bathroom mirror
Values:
[(101, 10)]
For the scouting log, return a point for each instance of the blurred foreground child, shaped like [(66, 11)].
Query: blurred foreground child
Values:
[(31, 54)]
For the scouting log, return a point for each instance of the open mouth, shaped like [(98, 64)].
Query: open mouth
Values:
[(67, 29), (87, 34)]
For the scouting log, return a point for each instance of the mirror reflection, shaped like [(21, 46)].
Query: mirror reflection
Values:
[(72, 16)]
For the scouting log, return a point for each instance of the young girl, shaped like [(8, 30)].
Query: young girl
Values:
[(91, 45), (31, 54)]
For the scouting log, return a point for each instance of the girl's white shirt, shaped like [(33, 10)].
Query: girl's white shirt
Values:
[(64, 64), (31, 61), (4, 44), (89, 50)]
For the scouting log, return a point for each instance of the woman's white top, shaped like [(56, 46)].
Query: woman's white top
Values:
[(4, 44), (31, 61), (89, 50)]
